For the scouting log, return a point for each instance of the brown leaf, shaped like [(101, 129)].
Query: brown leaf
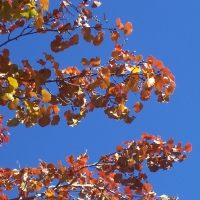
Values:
[(74, 40), (98, 39), (44, 121), (87, 13)]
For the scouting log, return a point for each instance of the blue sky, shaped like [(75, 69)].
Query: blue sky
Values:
[(168, 30)]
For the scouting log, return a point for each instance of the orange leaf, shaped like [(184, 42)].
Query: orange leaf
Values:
[(98, 39), (128, 28), (119, 24), (44, 4), (70, 160), (155, 62), (137, 107), (115, 36), (188, 147), (147, 187), (95, 62), (49, 193), (148, 136)]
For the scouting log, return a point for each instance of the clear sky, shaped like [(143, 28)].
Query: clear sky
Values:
[(168, 30)]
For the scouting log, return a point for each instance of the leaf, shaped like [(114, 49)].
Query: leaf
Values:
[(87, 13), (49, 57), (41, 62), (115, 36), (70, 160), (98, 39), (95, 62), (118, 178), (39, 21), (147, 187), (49, 193), (44, 121), (44, 4), (13, 82), (12, 105), (6, 139), (12, 122), (74, 40), (119, 25), (128, 28), (55, 120), (96, 4), (188, 147), (85, 62), (148, 136), (46, 96), (138, 107)]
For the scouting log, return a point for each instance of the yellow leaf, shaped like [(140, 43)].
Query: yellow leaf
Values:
[(135, 70), (13, 82), (49, 193), (44, 4), (46, 96)]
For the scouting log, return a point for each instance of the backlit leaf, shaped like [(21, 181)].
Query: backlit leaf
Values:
[(147, 187), (98, 39), (119, 25), (128, 28), (13, 82), (49, 193), (6, 139), (95, 62), (188, 147), (138, 107), (44, 4), (46, 96), (115, 36), (148, 136)]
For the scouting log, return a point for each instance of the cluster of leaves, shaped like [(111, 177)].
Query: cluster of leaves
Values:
[(26, 91), (97, 86), (119, 175)]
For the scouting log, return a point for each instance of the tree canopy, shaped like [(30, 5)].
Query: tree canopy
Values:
[(46, 94)]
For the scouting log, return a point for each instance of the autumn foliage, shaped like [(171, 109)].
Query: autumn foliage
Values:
[(101, 84)]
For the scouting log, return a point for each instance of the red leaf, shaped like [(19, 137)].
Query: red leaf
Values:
[(188, 147), (6, 139)]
